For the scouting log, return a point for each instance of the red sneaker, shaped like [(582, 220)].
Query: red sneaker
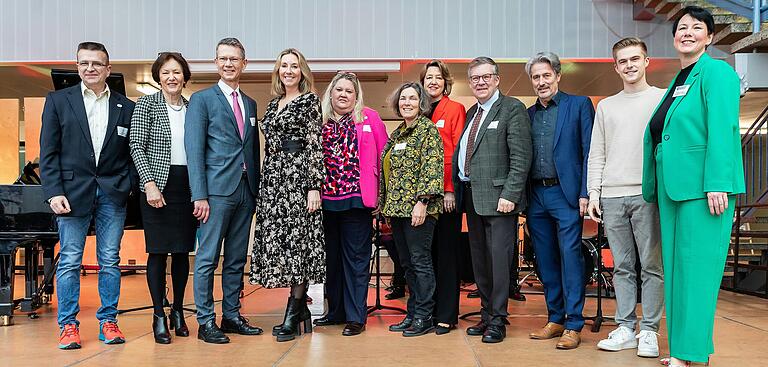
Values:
[(111, 334), (69, 338)]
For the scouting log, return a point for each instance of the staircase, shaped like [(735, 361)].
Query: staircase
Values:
[(746, 268), (733, 24)]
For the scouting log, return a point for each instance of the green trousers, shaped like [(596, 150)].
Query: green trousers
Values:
[(694, 247)]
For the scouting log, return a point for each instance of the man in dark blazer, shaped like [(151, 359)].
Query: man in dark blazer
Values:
[(85, 167), (490, 167), (222, 144), (561, 127)]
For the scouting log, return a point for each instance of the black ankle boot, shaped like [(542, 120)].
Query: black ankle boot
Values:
[(305, 315), (293, 317), (276, 328), (178, 324), (160, 329)]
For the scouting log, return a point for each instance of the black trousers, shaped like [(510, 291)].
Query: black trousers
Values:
[(414, 244), (491, 239), (348, 244), (445, 258)]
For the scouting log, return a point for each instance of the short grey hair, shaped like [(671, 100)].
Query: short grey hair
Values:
[(231, 41), (482, 60), (425, 103), (543, 57)]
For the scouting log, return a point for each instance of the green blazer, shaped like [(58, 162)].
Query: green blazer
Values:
[(501, 158), (701, 142)]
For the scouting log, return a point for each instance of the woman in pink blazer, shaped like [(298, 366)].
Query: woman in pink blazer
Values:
[(449, 117), (353, 139)]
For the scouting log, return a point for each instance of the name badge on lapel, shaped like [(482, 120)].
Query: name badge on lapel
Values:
[(122, 131), (440, 124), (493, 124), (400, 146), (253, 121), (367, 128), (681, 90)]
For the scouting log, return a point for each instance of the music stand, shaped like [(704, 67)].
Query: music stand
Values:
[(597, 320), (377, 260)]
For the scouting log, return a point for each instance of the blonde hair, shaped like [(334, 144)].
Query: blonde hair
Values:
[(629, 42), (307, 82), (328, 104)]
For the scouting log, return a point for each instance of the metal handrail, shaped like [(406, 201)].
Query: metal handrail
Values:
[(752, 9), (737, 243)]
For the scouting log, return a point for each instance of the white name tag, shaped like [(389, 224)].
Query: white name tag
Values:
[(253, 121), (440, 124), (681, 90), (367, 128), (122, 131), (400, 146), (493, 124)]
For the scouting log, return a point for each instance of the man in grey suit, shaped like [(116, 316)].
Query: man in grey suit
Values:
[(222, 144), (490, 167)]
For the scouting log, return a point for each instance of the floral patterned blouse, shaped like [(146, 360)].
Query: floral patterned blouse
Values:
[(341, 187), (413, 167)]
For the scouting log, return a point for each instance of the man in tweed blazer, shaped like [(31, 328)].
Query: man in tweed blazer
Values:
[(490, 167)]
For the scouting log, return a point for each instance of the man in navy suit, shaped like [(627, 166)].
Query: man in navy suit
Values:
[(222, 144), (561, 129), (85, 167)]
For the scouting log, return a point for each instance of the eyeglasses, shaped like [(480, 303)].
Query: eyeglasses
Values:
[(474, 79), (91, 64), (233, 60), (346, 73)]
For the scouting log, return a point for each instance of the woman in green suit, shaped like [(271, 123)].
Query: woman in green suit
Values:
[(693, 168)]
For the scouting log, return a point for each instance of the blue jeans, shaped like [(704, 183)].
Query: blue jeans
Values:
[(109, 219)]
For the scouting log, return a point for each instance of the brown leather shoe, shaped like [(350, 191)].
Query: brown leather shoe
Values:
[(549, 331), (570, 340)]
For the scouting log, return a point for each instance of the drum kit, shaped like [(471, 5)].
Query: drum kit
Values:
[(598, 264)]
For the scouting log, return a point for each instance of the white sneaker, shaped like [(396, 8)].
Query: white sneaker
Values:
[(648, 344), (619, 339)]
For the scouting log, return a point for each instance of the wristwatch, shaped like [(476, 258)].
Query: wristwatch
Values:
[(424, 200)]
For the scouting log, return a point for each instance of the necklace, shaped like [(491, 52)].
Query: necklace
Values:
[(174, 108)]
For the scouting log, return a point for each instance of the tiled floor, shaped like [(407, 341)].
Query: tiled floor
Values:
[(740, 333)]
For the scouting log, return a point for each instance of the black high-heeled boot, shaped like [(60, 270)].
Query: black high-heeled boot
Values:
[(294, 316), (305, 315), (160, 329), (276, 328), (178, 324)]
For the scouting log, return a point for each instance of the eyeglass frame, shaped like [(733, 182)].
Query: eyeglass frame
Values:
[(485, 77)]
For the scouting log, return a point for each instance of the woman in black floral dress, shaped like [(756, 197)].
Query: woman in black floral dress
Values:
[(288, 249)]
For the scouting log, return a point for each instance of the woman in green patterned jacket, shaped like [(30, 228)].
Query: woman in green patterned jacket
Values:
[(411, 197)]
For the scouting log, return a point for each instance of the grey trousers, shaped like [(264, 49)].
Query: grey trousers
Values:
[(631, 223), (230, 221)]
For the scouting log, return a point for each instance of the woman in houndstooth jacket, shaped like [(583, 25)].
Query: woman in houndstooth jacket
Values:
[(157, 149)]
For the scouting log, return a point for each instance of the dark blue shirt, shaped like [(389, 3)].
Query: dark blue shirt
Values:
[(543, 139)]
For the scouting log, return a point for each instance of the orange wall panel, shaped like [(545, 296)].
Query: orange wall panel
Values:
[(33, 111), (9, 140)]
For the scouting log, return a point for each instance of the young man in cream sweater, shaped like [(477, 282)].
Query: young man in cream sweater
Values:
[(614, 173)]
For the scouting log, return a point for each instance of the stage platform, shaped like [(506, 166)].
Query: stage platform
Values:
[(741, 329)]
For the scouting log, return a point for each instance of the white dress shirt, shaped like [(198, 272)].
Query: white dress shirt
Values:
[(227, 90), (97, 111), (178, 154), (485, 107)]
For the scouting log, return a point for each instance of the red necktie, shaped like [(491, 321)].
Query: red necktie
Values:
[(471, 140), (238, 114)]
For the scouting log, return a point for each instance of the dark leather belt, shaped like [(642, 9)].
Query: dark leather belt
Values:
[(292, 146), (546, 181)]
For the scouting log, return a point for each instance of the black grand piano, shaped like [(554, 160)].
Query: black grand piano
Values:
[(27, 222)]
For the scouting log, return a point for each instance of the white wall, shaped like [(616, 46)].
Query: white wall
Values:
[(33, 30)]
